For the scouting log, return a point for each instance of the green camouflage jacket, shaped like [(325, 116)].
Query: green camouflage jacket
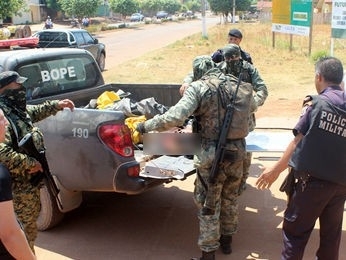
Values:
[(19, 163), (201, 101)]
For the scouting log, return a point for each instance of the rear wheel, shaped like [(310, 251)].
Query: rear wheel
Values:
[(50, 215), (102, 61)]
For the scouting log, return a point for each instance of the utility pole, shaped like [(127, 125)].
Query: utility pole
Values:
[(204, 30), (233, 16)]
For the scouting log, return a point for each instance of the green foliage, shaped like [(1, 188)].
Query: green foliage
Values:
[(318, 54), (194, 5), (150, 7), (53, 4), (79, 8), (8, 8), (171, 6), (124, 7), (226, 6)]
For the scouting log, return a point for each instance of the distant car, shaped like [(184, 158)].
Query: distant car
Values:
[(162, 15), (73, 38), (136, 17)]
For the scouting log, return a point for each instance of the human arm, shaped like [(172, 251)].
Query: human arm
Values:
[(260, 88), (186, 82), (11, 234), (48, 108), (177, 114), (270, 174), (17, 163)]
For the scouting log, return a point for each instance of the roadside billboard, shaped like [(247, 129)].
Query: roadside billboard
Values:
[(339, 19), (292, 16)]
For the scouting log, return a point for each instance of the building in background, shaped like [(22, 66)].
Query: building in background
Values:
[(33, 13)]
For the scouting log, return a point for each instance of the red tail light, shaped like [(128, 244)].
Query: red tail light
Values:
[(133, 171), (117, 138)]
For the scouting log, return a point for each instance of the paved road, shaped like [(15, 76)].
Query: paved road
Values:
[(162, 223), (126, 44)]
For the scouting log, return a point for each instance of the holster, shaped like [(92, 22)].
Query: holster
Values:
[(288, 184)]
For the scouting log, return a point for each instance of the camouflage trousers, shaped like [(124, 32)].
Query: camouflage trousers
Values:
[(246, 169), (27, 206), (225, 219)]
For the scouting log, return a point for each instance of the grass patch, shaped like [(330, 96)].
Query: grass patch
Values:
[(288, 74)]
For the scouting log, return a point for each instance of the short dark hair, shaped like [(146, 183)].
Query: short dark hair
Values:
[(331, 69)]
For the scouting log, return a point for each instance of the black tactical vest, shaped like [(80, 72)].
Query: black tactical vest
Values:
[(322, 151)]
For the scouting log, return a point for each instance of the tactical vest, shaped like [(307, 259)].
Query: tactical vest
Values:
[(246, 77), (222, 90), (322, 151)]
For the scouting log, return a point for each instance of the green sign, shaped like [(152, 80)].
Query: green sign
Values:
[(301, 11)]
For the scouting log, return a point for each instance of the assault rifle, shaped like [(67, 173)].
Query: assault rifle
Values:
[(28, 146), (210, 200)]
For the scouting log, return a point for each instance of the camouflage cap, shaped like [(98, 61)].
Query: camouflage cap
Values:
[(231, 51), (201, 64), (8, 77)]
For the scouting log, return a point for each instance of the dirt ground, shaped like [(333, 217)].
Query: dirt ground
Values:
[(162, 224)]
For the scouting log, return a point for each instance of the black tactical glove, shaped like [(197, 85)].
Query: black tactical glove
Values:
[(140, 128)]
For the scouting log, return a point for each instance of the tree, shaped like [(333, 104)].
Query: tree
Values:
[(171, 6), (225, 7), (150, 7), (8, 8), (53, 4), (79, 8), (124, 7), (194, 5)]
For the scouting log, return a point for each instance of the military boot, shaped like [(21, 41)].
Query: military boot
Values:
[(206, 256), (226, 244)]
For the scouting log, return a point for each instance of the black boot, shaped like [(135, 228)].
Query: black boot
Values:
[(226, 244), (206, 256)]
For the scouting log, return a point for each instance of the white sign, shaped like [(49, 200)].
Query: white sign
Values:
[(291, 29), (339, 14)]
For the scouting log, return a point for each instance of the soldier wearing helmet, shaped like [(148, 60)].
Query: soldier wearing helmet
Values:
[(233, 64), (234, 36), (206, 99)]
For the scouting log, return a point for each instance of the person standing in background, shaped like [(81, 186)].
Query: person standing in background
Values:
[(235, 37)]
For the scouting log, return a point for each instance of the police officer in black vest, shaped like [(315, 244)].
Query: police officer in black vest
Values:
[(317, 160)]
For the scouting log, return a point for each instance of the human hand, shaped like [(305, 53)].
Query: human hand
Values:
[(183, 87), (267, 178), (37, 168), (66, 103), (140, 128)]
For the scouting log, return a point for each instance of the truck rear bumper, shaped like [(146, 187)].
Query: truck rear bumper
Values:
[(124, 183)]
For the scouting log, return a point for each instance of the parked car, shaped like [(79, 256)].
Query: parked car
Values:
[(136, 17), (162, 15), (73, 38)]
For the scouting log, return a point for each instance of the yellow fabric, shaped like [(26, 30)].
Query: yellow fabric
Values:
[(132, 123), (107, 98)]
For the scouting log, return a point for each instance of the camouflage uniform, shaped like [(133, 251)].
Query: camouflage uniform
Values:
[(251, 75), (26, 198), (201, 99)]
